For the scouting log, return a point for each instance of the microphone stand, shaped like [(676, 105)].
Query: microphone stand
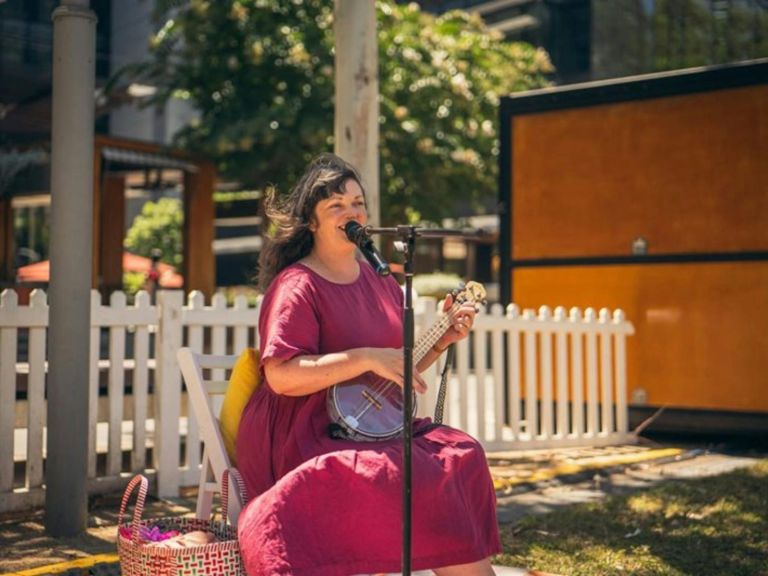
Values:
[(408, 235)]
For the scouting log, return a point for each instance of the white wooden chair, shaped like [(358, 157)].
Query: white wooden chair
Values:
[(215, 459), (202, 393)]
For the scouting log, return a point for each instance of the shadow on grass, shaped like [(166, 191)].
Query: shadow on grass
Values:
[(707, 526)]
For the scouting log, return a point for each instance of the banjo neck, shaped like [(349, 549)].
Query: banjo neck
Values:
[(430, 337)]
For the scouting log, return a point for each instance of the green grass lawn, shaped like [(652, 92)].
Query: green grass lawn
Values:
[(699, 527)]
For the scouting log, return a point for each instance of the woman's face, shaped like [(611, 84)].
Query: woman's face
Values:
[(333, 213)]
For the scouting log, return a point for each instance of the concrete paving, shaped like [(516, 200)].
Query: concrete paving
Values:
[(556, 494)]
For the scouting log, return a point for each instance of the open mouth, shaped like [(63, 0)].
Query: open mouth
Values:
[(344, 232)]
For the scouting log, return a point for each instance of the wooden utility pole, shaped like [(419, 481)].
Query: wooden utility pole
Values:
[(356, 126)]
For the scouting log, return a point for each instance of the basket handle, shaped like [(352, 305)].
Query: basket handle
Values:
[(138, 510), (241, 490)]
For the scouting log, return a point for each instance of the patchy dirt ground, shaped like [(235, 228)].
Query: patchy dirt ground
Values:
[(25, 545), (527, 483)]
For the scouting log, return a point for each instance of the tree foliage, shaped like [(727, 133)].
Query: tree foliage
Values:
[(261, 74), (158, 226)]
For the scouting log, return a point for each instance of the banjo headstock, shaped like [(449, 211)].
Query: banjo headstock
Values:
[(472, 292)]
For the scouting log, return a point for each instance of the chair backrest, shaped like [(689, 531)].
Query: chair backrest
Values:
[(202, 395)]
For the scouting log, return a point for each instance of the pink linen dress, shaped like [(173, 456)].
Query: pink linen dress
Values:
[(330, 507)]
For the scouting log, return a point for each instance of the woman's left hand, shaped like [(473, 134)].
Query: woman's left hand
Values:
[(462, 317)]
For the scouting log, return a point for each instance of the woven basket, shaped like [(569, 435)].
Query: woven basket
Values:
[(137, 558)]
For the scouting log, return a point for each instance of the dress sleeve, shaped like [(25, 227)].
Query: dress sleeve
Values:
[(288, 323)]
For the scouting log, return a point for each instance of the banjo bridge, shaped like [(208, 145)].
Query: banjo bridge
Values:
[(372, 400)]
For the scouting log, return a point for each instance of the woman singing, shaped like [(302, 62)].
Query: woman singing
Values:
[(324, 505)]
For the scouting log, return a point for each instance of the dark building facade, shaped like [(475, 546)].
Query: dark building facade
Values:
[(600, 39)]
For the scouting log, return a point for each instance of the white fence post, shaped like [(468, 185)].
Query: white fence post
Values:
[(561, 374), (497, 366), (606, 374), (36, 416), (93, 382), (240, 332), (592, 400), (545, 360), (140, 384), (577, 375), (8, 306), (531, 375), (116, 387), (514, 375), (620, 362), (168, 393)]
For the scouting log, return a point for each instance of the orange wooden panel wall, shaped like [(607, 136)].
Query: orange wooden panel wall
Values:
[(700, 329), (681, 171)]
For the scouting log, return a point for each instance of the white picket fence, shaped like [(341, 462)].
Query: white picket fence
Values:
[(545, 380), (520, 381)]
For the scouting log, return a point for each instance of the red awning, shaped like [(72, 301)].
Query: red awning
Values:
[(169, 278)]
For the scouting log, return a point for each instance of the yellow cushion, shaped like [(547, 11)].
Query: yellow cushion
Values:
[(242, 383)]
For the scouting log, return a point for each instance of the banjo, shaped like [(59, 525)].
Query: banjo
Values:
[(370, 408)]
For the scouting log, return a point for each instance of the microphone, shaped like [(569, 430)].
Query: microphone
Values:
[(357, 236)]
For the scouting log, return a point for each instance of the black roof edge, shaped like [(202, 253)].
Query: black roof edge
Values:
[(646, 86)]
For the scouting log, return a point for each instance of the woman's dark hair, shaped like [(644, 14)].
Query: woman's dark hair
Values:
[(291, 216)]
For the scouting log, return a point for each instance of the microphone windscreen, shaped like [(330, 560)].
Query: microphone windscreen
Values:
[(355, 232)]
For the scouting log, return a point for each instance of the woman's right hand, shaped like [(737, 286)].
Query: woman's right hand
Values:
[(388, 363)]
